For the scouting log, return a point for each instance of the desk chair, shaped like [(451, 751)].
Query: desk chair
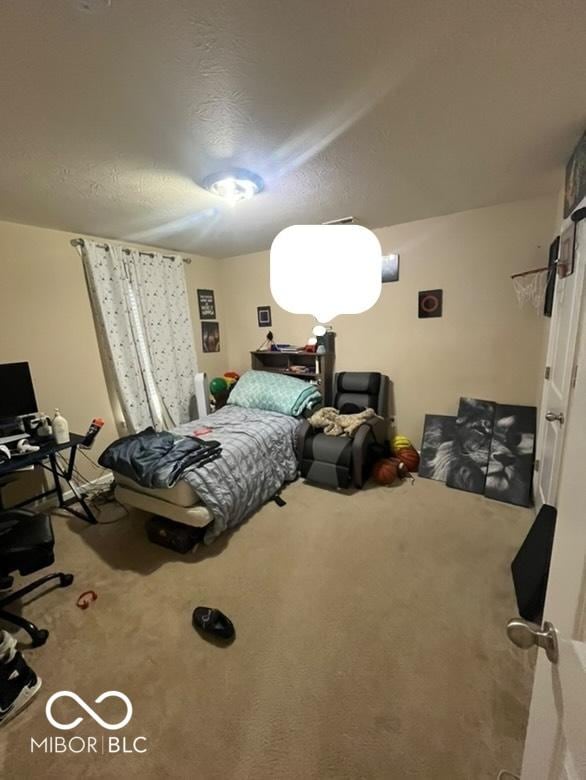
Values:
[(26, 545), (340, 461)]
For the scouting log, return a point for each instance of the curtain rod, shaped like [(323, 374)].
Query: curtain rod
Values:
[(81, 242)]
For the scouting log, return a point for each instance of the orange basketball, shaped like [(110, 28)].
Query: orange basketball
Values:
[(410, 457), (384, 471)]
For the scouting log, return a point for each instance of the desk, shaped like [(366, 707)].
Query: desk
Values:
[(48, 452)]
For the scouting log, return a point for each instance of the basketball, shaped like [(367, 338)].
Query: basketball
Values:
[(410, 457), (384, 472)]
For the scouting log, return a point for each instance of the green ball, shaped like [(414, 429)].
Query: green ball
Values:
[(218, 385)]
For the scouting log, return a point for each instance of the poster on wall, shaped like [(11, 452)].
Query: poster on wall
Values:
[(430, 303), (575, 177), (390, 268), (210, 336), (263, 316), (437, 446), (471, 445), (510, 466), (207, 304)]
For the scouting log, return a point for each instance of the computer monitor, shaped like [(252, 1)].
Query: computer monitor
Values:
[(17, 394)]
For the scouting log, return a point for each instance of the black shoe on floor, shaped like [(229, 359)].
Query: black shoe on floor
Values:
[(18, 685), (213, 623)]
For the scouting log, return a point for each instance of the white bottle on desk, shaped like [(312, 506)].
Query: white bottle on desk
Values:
[(60, 428)]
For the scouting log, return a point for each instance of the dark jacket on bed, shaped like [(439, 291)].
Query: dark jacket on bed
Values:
[(157, 460)]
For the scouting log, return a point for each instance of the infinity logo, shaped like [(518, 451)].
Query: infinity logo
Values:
[(89, 710)]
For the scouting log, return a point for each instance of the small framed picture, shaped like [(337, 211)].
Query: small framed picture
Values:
[(263, 314), (210, 336), (390, 268), (207, 304), (430, 303)]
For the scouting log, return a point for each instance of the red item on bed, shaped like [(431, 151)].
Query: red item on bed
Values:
[(202, 431)]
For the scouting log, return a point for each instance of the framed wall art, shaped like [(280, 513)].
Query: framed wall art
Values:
[(207, 304), (263, 314)]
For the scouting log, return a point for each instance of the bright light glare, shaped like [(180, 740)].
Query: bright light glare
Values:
[(233, 190), (319, 330), (326, 270), (234, 185)]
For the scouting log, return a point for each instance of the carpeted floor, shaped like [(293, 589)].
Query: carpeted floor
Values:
[(370, 644)]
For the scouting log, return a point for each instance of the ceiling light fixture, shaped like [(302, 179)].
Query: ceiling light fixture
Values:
[(234, 185)]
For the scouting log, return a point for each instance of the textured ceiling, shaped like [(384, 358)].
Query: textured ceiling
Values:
[(389, 110)]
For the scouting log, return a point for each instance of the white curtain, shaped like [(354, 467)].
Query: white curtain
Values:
[(161, 292), (142, 317)]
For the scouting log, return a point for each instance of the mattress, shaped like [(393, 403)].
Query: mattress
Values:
[(198, 516), (181, 494)]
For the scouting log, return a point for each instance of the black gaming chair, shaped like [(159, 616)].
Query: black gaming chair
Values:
[(341, 461), (26, 545)]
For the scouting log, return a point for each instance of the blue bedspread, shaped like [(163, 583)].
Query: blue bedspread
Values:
[(258, 457)]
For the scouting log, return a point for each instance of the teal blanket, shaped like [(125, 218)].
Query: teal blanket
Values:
[(274, 393)]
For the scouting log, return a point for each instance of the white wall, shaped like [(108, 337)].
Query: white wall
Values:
[(484, 346)]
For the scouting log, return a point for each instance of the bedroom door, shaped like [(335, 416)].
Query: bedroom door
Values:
[(560, 374), (555, 745)]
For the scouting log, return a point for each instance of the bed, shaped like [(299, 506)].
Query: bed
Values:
[(257, 433)]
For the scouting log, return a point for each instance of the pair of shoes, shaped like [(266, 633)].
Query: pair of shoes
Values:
[(18, 685)]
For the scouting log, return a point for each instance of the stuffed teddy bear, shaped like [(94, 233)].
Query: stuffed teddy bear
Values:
[(336, 424), (324, 418)]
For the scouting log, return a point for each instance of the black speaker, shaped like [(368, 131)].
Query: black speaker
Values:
[(530, 567)]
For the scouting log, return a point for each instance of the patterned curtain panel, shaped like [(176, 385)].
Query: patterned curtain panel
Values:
[(116, 325), (161, 293)]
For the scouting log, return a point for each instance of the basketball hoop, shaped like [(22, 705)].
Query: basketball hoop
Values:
[(530, 286)]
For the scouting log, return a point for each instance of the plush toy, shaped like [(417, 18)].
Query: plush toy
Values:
[(348, 424), (336, 424), (324, 417)]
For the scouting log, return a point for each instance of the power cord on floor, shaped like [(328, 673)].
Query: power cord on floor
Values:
[(100, 496), (504, 774)]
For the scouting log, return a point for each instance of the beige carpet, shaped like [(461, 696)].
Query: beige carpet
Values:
[(370, 644)]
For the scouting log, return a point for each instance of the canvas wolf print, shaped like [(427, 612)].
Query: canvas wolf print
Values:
[(471, 445), (437, 446), (510, 467)]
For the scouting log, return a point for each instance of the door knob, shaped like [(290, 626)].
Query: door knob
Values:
[(526, 635), (555, 417)]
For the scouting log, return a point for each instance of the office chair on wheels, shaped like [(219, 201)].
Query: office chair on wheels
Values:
[(26, 545)]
